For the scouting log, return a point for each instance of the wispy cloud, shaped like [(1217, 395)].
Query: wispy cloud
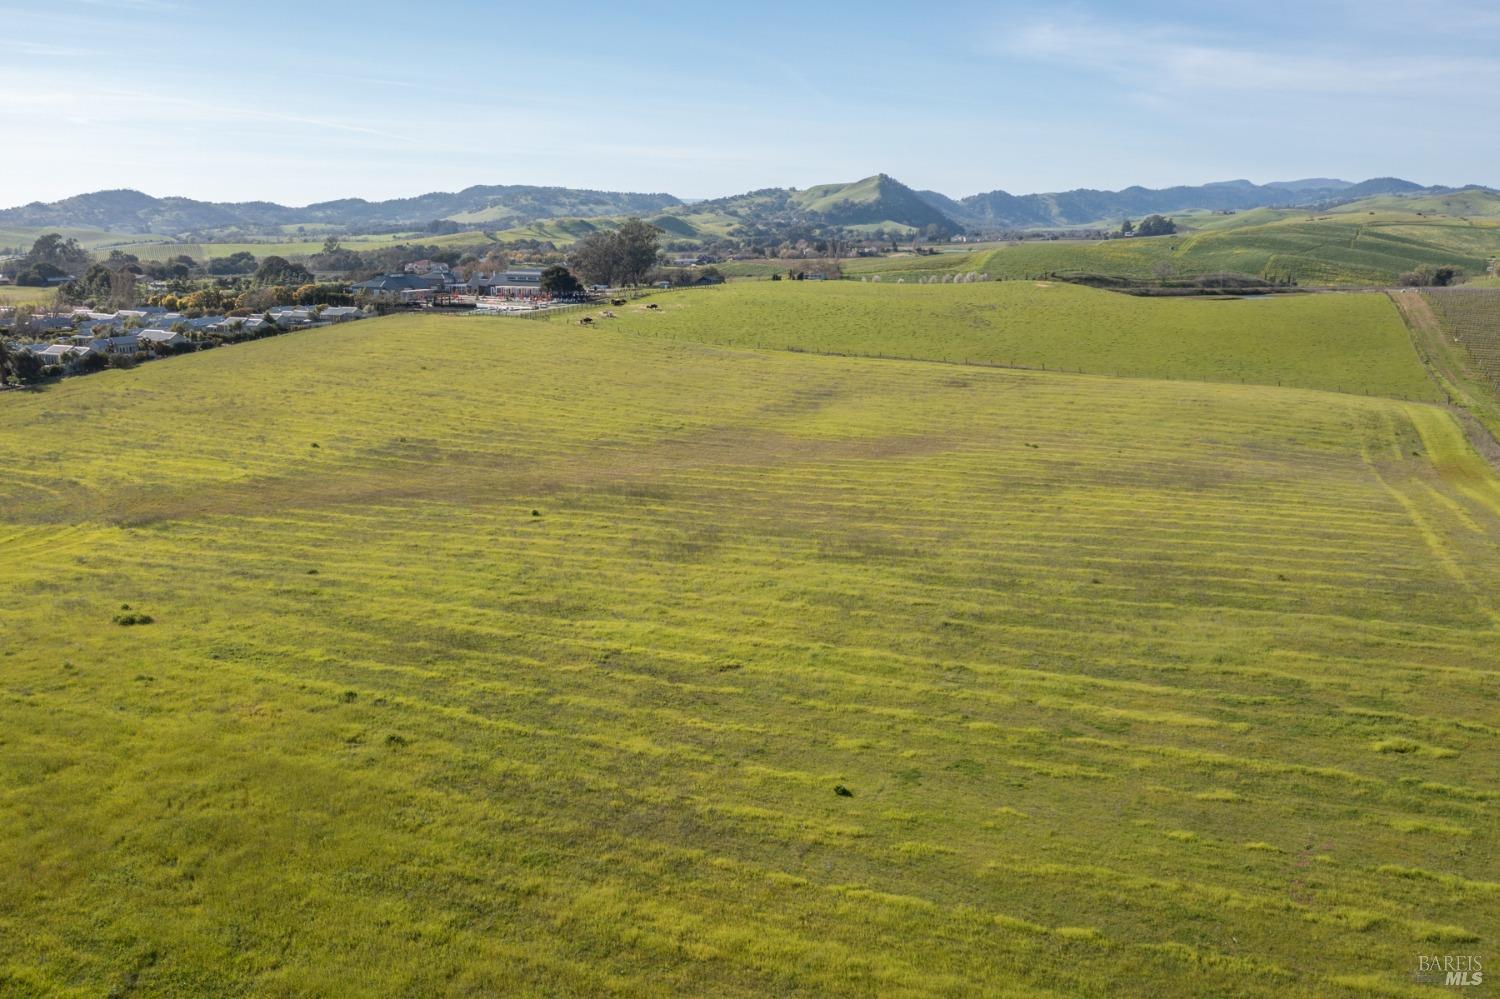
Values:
[(1157, 60), (145, 109)]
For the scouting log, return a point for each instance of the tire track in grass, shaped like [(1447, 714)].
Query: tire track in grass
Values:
[(1431, 536)]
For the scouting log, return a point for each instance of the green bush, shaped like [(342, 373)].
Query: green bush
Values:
[(130, 620)]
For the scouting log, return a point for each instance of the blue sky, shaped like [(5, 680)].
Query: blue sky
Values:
[(299, 102)]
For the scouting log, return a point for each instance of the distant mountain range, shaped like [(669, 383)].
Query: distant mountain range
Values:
[(1082, 207), (132, 211), (873, 202)]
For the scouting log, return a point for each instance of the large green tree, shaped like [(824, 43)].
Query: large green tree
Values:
[(559, 282), (279, 270), (618, 257), (59, 252)]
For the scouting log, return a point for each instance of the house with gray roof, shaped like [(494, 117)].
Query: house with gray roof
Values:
[(394, 285), (163, 339), (128, 344), (520, 282), (60, 353)]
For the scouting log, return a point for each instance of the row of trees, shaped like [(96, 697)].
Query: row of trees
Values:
[(115, 282)]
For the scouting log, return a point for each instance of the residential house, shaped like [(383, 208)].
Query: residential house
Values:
[(394, 285), (163, 339), (128, 344), (286, 315), (522, 282), (58, 353), (234, 326), (145, 312), (50, 324)]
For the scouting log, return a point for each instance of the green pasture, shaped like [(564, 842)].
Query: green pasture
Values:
[(1348, 342), (494, 655), (11, 294)]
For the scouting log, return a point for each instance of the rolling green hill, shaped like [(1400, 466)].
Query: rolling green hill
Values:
[(874, 202), (1470, 202), (499, 656), (1356, 246), (877, 201)]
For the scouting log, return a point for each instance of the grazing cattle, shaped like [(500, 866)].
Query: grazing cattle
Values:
[(617, 301)]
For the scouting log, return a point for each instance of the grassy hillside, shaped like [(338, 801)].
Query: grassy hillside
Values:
[(1469, 203), (1326, 251), (1368, 246), (1354, 342), (294, 247), (871, 203), (1168, 683)]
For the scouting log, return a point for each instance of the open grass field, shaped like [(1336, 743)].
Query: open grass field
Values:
[(495, 655), (1352, 342), (11, 294)]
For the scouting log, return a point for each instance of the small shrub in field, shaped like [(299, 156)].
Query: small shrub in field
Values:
[(127, 620), (842, 791)]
